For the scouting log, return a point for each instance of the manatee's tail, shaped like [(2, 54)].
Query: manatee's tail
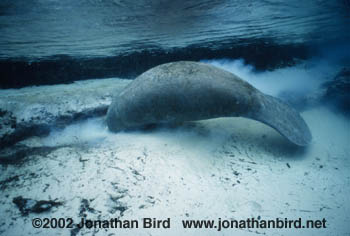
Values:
[(283, 118)]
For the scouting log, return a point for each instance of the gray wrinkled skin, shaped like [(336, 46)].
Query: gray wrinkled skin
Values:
[(189, 91)]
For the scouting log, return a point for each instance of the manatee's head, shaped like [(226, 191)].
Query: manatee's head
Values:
[(113, 123)]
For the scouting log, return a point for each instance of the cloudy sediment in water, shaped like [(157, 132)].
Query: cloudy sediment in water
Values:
[(296, 83)]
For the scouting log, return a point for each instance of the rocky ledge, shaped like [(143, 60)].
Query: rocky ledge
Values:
[(34, 112), (337, 90)]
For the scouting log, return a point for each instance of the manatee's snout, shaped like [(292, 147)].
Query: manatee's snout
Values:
[(113, 121)]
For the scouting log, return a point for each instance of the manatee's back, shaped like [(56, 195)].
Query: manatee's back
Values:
[(180, 91)]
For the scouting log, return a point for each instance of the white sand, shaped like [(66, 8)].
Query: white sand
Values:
[(228, 168)]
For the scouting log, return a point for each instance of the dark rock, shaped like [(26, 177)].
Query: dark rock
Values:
[(85, 207), (27, 205), (117, 205), (16, 154), (335, 92), (338, 90), (263, 53), (4, 183), (75, 231)]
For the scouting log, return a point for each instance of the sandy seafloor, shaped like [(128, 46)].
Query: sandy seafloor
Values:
[(228, 168)]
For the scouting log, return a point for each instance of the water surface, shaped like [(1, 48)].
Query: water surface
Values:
[(85, 28)]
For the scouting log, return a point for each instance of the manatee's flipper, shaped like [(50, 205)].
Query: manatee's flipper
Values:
[(283, 118)]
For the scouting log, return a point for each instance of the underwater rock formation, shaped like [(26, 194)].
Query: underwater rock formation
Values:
[(59, 69), (27, 205), (34, 112), (335, 92), (338, 90)]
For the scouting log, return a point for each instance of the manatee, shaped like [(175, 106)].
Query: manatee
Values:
[(188, 91)]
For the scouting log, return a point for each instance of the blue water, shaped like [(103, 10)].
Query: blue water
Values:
[(40, 28)]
